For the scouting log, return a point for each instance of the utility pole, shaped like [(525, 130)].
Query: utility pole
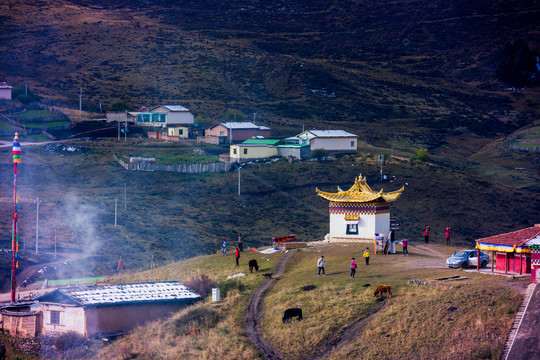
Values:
[(55, 243), (381, 159), (115, 211), (254, 116), (118, 130), (26, 88), (125, 131), (37, 201), (151, 267), (125, 196), (239, 181), (80, 105)]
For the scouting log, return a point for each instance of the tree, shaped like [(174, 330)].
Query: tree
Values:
[(118, 105), (199, 119), (517, 62), (233, 115), (23, 95), (319, 154), (422, 155)]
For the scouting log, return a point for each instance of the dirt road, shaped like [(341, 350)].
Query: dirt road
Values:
[(255, 312)]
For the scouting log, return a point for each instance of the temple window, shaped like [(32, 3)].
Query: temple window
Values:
[(352, 229), (245, 151)]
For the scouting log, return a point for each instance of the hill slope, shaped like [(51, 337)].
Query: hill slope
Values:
[(412, 70)]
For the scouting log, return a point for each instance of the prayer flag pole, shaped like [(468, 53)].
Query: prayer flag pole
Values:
[(15, 237)]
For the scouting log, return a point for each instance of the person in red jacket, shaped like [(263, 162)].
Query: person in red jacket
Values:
[(447, 231), (426, 234), (237, 256), (404, 244)]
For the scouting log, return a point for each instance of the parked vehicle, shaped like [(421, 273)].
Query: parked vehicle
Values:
[(466, 258)]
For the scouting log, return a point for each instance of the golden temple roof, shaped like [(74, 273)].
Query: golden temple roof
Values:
[(360, 192)]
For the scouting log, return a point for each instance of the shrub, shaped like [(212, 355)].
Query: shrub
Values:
[(201, 284), (319, 154), (422, 155), (69, 340), (196, 317), (228, 285)]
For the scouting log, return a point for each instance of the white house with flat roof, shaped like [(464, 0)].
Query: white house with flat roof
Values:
[(5, 91), (335, 141)]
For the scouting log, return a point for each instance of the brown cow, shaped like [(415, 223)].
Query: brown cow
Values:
[(195, 331), (381, 289)]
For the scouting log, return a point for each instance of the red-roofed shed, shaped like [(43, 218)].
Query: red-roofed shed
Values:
[(511, 250)]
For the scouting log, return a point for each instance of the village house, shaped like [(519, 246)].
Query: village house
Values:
[(5, 91), (359, 213), (334, 141), (234, 132), (161, 115), (98, 309), (513, 252), (252, 149)]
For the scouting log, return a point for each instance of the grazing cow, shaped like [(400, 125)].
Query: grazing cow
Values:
[(195, 331), (267, 275), (381, 289), (292, 312), (253, 265)]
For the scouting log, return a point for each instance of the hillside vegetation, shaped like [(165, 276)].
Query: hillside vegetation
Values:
[(413, 71), (466, 319)]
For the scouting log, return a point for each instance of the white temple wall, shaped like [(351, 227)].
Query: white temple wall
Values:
[(368, 225)]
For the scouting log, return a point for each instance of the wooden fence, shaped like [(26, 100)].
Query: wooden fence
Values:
[(193, 168)]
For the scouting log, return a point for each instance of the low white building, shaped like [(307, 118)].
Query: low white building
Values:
[(175, 114), (335, 141), (359, 213), (109, 309), (5, 91)]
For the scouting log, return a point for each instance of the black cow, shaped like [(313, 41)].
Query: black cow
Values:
[(253, 265), (292, 312)]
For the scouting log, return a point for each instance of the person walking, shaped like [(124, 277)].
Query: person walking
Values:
[(353, 268), (237, 255), (426, 234), (404, 244), (366, 255), (224, 244), (240, 242), (447, 234), (320, 265)]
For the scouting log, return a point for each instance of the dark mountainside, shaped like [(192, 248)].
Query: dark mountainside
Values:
[(412, 71)]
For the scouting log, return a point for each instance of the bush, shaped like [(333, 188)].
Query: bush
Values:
[(197, 317), (422, 155), (319, 154), (201, 285), (69, 340), (234, 284)]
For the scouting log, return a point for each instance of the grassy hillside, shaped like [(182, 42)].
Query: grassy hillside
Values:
[(467, 319), (413, 71)]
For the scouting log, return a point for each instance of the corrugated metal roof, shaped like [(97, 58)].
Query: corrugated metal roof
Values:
[(332, 133), (5, 85), (240, 125), (125, 293), (175, 107)]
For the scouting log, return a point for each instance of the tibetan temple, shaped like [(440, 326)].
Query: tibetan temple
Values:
[(517, 252), (357, 214)]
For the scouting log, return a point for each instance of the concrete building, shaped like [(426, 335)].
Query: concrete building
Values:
[(5, 91), (334, 141), (357, 214), (236, 132), (99, 309), (174, 114), (253, 149)]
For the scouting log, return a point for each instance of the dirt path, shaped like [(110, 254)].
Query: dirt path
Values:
[(255, 311), (348, 336)]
